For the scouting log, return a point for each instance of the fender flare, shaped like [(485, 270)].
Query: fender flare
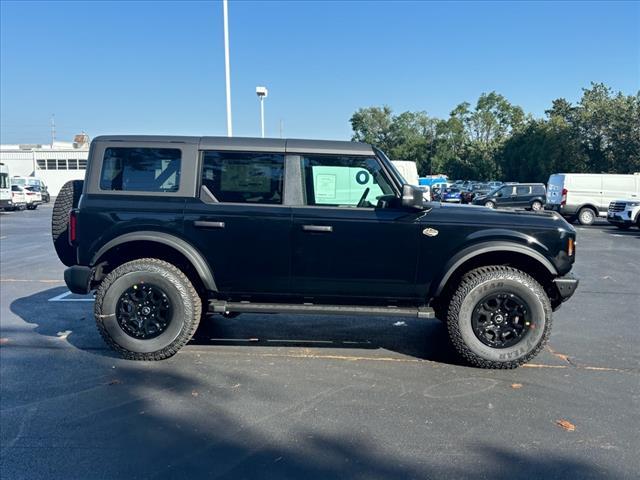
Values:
[(488, 247), (192, 255)]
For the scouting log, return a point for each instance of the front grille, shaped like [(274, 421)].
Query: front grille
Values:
[(617, 206)]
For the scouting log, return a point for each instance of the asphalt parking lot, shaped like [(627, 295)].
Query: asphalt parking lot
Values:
[(274, 396)]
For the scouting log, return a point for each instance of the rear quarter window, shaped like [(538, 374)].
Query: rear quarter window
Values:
[(141, 169)]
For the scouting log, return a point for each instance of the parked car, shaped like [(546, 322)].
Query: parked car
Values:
[(624, 213), (18, 198), (168, 227), (585, 196), (6, 202), (33, 196), (469, 195), (451, 195), (41, 187), (531, 196)]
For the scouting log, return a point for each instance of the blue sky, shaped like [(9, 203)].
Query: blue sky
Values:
[(158, 67)]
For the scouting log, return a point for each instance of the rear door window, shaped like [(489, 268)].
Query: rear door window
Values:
[(523, 190), (141, 169), (244, 177)]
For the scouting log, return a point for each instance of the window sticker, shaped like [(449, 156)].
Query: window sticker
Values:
[(325, 186)]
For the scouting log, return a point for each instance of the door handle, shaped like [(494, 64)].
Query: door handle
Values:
[(206, 224), (317, 228)]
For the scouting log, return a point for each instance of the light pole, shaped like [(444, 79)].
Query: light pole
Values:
[(262, 93), (225, 14)]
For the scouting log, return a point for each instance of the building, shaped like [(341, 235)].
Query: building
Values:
[(54, 164)]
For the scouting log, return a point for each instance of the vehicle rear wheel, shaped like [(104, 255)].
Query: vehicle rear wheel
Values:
[(147, 309), (536, 206), (67, 199), (490, 204), (586, 216), (499, 317), (32, 207)]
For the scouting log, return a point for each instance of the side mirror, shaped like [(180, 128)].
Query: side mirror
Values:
[(412, 197)]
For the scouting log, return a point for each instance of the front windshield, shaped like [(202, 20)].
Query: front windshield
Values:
[(494, 191)]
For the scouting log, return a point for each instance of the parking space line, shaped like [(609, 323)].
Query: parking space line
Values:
[(63, 298)]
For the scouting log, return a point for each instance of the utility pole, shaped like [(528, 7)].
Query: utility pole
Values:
[(225, 13), (281, 127)]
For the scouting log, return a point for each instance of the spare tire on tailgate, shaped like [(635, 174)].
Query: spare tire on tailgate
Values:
[(67, 199)]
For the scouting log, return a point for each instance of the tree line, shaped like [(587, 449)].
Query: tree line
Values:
[(495, 139)]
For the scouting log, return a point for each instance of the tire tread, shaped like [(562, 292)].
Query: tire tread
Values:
[(471, 280), (184, 285)]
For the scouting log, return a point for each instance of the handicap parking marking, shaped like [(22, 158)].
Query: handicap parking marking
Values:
[(63, 298)]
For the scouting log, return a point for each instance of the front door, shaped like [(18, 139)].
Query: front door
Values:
[(348, 245), (506, 196), (240, 223)]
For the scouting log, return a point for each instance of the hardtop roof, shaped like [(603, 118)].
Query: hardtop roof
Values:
[(251, 144)]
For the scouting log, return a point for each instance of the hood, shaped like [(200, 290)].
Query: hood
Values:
[(476, 214)]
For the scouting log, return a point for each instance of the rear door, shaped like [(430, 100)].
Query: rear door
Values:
[(522, 196), (346, 244), (554, 189), (240, 223)]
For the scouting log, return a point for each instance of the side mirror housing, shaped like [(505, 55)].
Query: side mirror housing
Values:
[(412, 197)]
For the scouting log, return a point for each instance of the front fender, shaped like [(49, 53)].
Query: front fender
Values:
[(491, 246)]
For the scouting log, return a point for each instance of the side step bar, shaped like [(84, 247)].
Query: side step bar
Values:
[(219, 306)]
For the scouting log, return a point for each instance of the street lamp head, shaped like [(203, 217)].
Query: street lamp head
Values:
[(262, 91)]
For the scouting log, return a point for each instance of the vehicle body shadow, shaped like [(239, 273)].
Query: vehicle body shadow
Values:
[(162, 422), (422, 339)]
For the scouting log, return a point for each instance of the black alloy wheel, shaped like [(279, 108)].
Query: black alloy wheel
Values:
[(500, 320), (144, 311)]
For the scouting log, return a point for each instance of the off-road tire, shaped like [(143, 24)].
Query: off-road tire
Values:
[(473, 287), (587, 216), (187, 309), (66, 200)]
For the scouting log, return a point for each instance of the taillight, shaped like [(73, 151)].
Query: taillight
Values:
[(563, 200), (73, 226)]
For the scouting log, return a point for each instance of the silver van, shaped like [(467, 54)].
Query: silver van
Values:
[(585, 196)]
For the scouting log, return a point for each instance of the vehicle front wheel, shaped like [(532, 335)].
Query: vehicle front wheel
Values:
[(490, 204), (499, 317), (147, 309)]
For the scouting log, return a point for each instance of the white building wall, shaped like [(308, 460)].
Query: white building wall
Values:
[(54, 166)]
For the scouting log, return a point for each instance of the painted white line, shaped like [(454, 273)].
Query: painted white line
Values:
[(63, 298)]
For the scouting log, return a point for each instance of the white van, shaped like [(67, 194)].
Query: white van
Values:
[(409, 171), (5, 188), (585, 196)]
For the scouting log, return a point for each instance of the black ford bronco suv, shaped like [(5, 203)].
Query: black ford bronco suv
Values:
[(167, 229)]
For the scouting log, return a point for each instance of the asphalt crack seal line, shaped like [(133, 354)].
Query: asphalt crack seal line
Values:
[(350, 358)]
